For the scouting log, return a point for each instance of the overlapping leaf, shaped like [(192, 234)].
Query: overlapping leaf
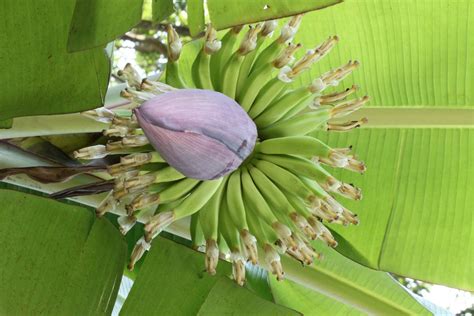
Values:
[(97, 22), (39, 76), (416, 214), (172, 281), (58, 259), (225, 14)]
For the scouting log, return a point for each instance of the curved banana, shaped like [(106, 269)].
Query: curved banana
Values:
[(232, 68), (262, 75), (285, 180), (232, 237), (301, 166), (295, 145), (276, 110), (307, 168), (268, 241), (276, 47), (267, 29), (201, 71), (220, 58), (237, 212), (258, 203), (173, 76), (195, 201), (279, 202), (230, 75), (301, 124), (178, 190), (195, 229), (209, 217)]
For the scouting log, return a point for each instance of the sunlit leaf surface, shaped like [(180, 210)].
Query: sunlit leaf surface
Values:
[(412, 53)]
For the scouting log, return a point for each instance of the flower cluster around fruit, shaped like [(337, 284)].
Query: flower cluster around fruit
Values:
[(234, 149)]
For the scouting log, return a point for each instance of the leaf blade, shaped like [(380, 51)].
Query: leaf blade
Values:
[(225, 14), (61, 238)]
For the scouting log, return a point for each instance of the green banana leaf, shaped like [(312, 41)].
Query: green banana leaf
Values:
[(161, 9), (412, 53), (416, 213), (97, 22), (172, 281), (38, 75), (195, 10), (6, 123), (335, 279), (224, 14), (57, 258)]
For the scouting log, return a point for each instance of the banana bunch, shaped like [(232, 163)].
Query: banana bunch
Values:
[(282, 195)]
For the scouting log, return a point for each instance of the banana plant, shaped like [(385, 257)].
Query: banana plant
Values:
[(239, 163)]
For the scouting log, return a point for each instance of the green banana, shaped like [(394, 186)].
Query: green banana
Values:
[(168, 174), (268, 241), (237, 213), (197, 199), (195, 229), (178, 190), (234, 201), (299, 107), (209, 214), (299, 205), (285, 179), (201, 71), (227, 228), (221, 57), (267, 95), (247, 65), (299, 165), (263, 75), (301, 124), (173, 76), (258, 203), (307, 168), (230, 74), (276, 110), (315, 188), (254, 84), (193, 203), (273, 195), (267, 29), (278, 200), (295, 145), (232, 237), (255, 199), (232, 68)]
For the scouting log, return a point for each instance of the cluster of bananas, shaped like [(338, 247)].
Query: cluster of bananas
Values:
[(279, 198)]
